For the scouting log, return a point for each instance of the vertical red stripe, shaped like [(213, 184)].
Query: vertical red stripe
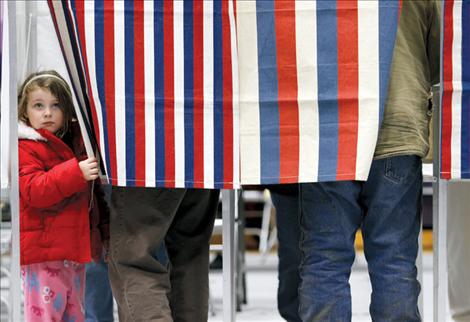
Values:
[(287, 88), (235, 11), (109, 84), (139, 101), (80, 10), (198, 34), (446, 161), (227, 97), (169, 93), (348, 83)]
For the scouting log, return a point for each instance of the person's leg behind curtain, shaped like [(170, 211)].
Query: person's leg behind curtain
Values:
[(187, 244), (286, 201)]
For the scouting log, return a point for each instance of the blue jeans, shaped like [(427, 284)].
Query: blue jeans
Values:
[(288, 234), (387, 207), (98, 296)]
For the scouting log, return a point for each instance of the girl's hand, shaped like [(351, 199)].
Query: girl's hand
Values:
[(89, 168)]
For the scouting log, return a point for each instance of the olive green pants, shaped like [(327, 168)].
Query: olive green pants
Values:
[(148, 288)]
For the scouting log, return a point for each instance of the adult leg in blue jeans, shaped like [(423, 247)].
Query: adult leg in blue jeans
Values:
[(286, 201), (98, 295), (387, 207)]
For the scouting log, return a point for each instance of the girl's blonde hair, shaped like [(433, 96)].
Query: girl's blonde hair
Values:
[(54, 83)]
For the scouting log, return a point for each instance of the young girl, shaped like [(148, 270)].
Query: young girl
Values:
[(55, 194)]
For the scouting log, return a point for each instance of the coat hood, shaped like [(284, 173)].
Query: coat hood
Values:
[(28, 133)]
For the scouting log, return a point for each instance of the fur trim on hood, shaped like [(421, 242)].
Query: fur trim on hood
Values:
[(27, 132)]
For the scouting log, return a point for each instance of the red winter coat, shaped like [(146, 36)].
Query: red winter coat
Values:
[(54, 200), (99, 214)]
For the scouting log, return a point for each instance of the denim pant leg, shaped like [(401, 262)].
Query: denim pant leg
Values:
[(330, 216), (390, 229), (98, 295), (288, 235)]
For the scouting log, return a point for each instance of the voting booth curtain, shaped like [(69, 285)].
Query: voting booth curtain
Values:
[(455, 91), (214, 94)]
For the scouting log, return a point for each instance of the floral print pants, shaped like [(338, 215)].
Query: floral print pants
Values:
[(54, 291)]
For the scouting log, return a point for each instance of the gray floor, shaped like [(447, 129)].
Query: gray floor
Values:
[(262, 284)]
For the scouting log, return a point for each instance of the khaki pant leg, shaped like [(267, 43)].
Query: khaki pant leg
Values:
[(140, 219)]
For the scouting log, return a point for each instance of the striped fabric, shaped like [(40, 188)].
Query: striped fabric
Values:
[(313, 82), (161, 88), (455, 99)]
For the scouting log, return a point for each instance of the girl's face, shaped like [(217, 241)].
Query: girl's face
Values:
[(43, 111)]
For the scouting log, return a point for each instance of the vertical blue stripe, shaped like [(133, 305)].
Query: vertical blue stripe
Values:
[(129, 90), (99, 59), (188, 94), (465, 141), (327, 55), (218, 98), (388, 26), (159, 70), (268, 93)]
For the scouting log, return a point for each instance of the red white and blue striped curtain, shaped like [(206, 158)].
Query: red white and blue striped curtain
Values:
[(161, 87), (313, 82), (161, 81), (455, 89)]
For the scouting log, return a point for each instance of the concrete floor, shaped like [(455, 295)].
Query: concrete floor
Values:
[(262, 286)]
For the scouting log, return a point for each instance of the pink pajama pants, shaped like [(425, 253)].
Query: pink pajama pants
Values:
[(54, 291)]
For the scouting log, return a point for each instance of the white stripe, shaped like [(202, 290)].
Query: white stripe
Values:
[(208, 31), (456, 143), (307, 80), (149, 95), (369, 106), (178, 23), (249, 100), (235, 103), (119, 91), (89, 17)]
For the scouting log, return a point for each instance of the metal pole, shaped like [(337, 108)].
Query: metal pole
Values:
[(228, 253), (440, 251), (15, 283), (439, 225)]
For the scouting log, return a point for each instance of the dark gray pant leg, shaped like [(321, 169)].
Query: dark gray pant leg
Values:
[(187, 244)]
